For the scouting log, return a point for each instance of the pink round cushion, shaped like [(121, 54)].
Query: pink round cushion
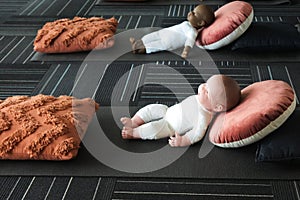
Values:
[(263, 108), (232, 20)]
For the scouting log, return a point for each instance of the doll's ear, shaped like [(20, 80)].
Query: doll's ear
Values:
[(201, 23), (219, 108)]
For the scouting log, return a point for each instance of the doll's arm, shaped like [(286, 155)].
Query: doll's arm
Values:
[(179, 141), (192, 136), (185, 51)]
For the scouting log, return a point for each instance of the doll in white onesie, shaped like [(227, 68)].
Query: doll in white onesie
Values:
[(177, 36), (186, 122)]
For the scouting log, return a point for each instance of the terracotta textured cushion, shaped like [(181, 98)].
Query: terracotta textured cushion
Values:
[(78, 34), (263, 108), (43, 127), (232, 20)]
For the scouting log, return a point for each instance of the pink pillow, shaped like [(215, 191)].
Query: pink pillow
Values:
[(263, 108), (232, 20)]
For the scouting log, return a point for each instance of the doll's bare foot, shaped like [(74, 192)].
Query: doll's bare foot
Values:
[(126, 121), (132, 122), (128, 133), (137, 46)]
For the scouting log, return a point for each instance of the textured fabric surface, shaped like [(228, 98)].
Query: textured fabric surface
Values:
[(232, 20), (43, 127), (263, 108), (77, 34)]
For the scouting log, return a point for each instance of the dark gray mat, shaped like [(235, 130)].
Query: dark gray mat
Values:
[(218, 163), (122, 46), (224, 54), (217, 55)]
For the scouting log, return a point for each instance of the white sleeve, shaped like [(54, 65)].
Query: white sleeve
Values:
[(199, 126), (197, 133), (191, 36)]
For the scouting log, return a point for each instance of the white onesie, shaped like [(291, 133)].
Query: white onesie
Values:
[(171, 38), (186, 118)]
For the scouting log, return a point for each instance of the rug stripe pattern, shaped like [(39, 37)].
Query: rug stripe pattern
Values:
[(141, 188)]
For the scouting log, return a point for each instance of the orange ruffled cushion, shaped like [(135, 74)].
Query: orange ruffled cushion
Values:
[(43, 127), (74, 35), (263, 108)]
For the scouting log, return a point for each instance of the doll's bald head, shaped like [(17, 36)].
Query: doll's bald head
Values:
[(220, 93), (201, 16)]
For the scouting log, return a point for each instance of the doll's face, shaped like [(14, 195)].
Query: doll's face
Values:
[(203, 96), (212, 94), (201, 16), (219, 93)]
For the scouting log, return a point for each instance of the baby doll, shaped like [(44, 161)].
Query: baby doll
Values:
[(177, 36), (186, 122)]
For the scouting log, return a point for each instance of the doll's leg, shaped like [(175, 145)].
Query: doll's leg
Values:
[(129, 125), (133, 122), (152, 112), (155, 46), (153, 43), (154, 130), (149, 131), (144, 115)]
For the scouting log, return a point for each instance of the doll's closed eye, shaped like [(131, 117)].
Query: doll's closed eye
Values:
[(205, 88)]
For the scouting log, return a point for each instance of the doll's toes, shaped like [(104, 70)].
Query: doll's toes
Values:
[(132, 40), (141, 51), (171, 143), (138, 47)]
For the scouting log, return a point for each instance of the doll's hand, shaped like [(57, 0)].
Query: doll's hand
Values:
[(179, 141), (175, 141), (185, 52)]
